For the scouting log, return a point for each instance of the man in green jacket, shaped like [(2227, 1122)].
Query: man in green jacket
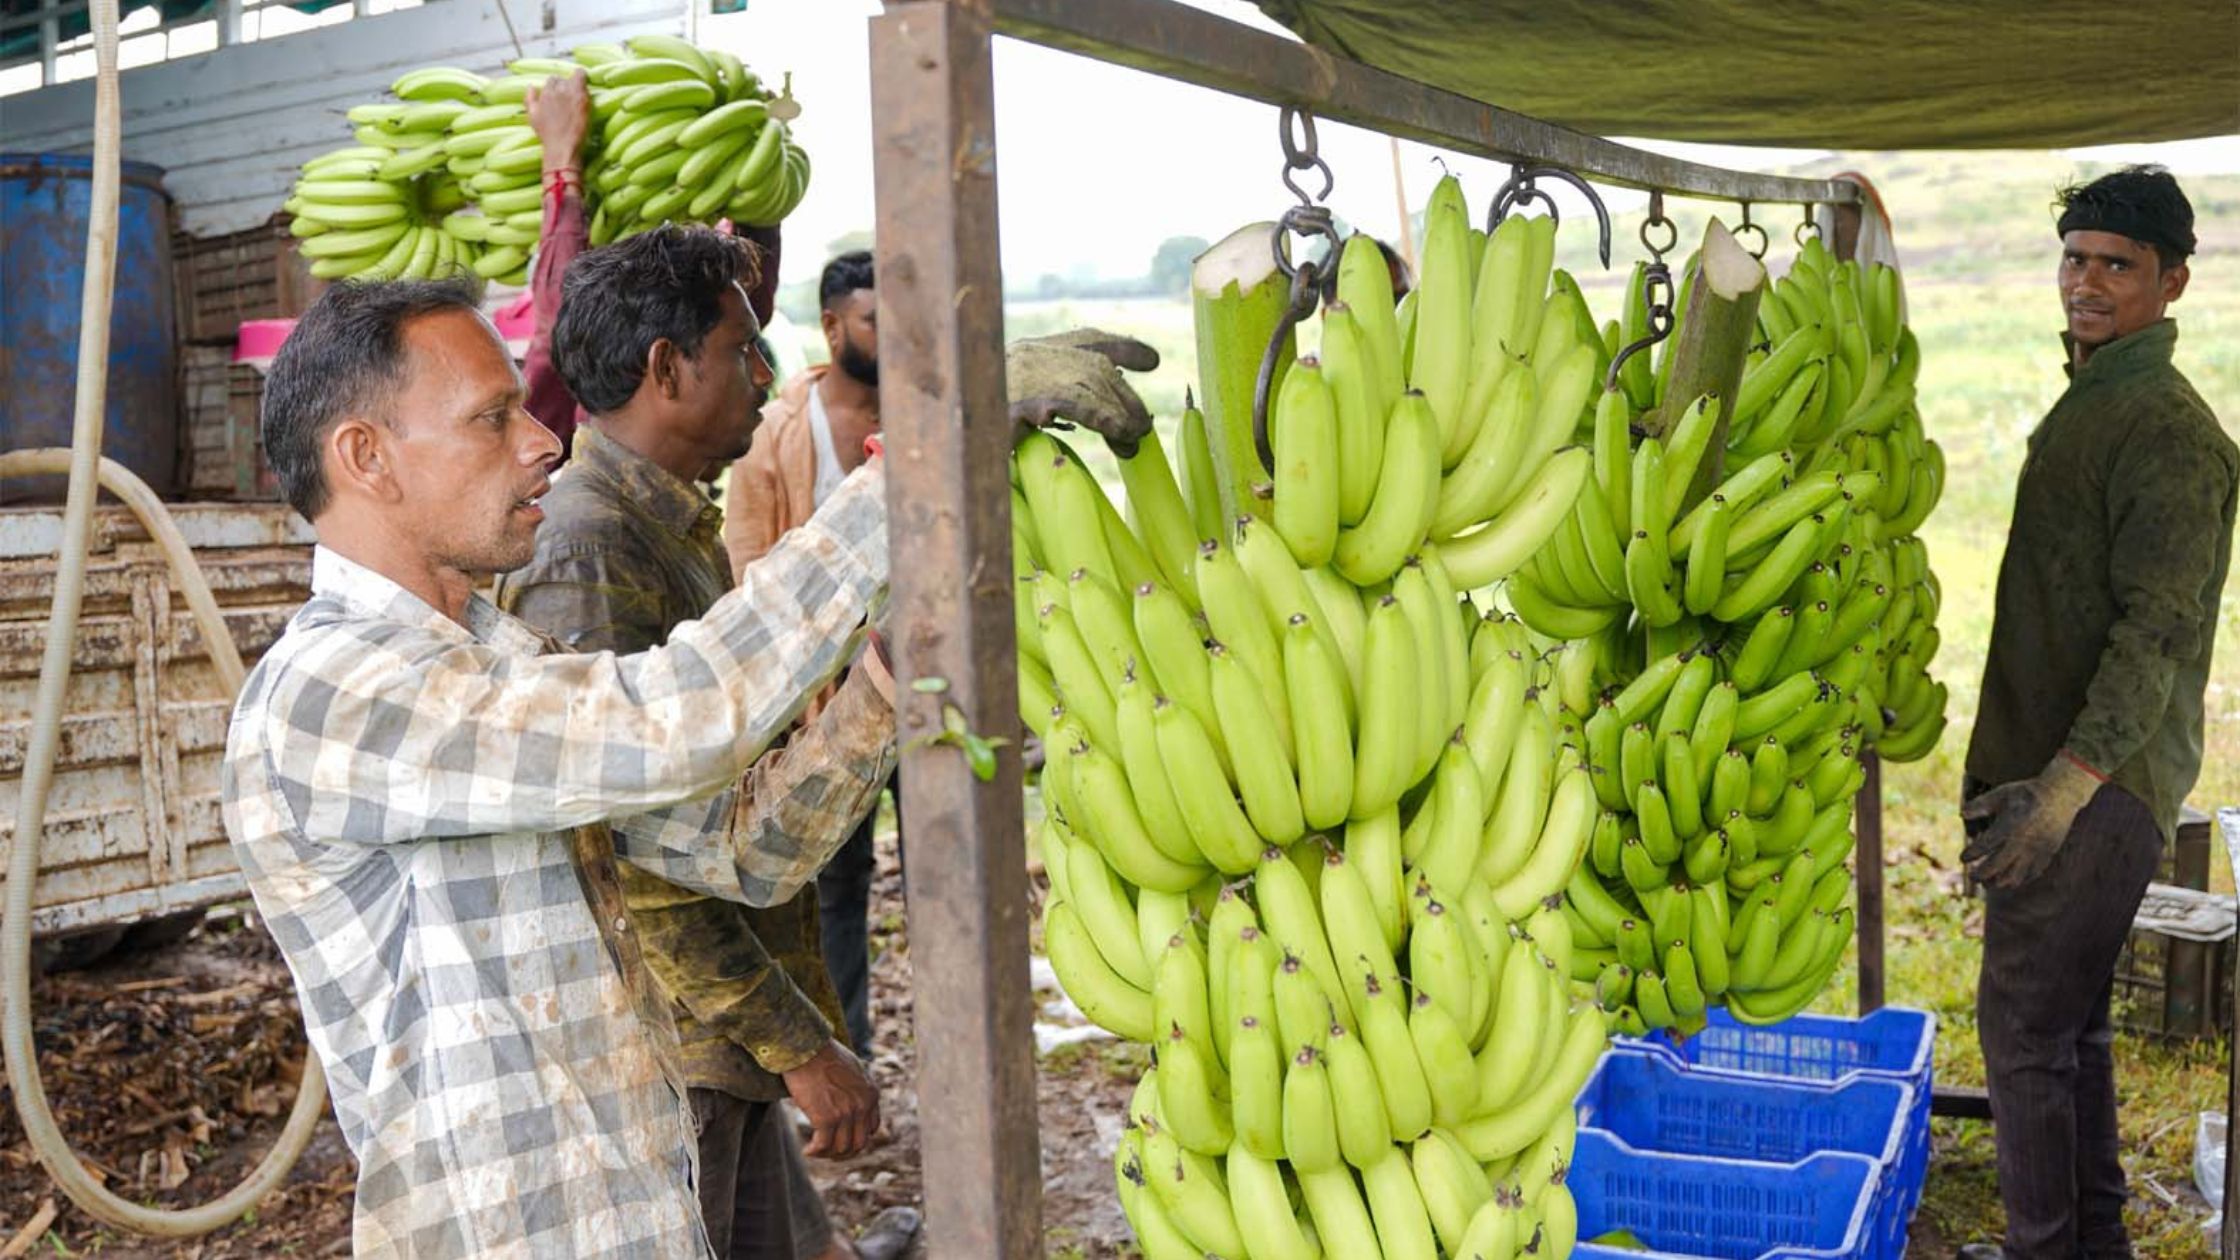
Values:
[(2089, 732)]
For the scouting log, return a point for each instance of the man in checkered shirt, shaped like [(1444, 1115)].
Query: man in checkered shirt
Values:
[(429, 802)]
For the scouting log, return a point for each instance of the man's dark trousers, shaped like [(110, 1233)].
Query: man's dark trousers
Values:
[(2049, 956)]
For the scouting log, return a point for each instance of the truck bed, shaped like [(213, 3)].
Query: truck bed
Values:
[(133, 829)]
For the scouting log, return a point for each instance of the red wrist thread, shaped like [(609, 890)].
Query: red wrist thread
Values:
[(2084, 765), (557, 181)]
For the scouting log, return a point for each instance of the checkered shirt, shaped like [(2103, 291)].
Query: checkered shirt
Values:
[(422, 810)]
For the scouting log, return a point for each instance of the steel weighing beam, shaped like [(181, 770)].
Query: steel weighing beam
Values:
[(1190, 46), (942, 399)]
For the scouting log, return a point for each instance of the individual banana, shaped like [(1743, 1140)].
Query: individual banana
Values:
[(1396, 1207), (1288, 913), (1262, 1209), (1543, 502), (1265, 779), (1398, 518), (1191, 1189), (1110, 820), (1440, 369), (1385, 749), (1304, 436), (1360, 402), (1563, 839), (1443, 1053), (1218, 825), (1357, 1099), (1341, 1219), (1107, 999), (1519, 1023), (1188, 1094)]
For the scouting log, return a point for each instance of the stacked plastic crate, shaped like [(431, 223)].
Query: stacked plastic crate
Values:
[(1808, 1140)]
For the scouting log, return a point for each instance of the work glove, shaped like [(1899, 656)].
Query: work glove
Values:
[(1073, 378), (2030, 818)]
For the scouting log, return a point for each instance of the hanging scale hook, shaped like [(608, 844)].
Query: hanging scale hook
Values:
[(1306, 219), (1520, 190), (1747, 226), (1656, 287)]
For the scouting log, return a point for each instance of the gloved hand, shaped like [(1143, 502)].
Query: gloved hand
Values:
[(2030, 818), (1074, 378)]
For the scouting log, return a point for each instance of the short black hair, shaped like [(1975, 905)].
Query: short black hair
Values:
[(617, 300), (346, 354), (2141, 202), (842, 276)]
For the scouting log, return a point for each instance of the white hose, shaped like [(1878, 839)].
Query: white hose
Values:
[(85, 466)]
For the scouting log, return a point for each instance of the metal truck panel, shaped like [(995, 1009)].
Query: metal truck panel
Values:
[(133, 822)]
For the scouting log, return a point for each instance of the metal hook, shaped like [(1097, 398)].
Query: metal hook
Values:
[(1520, 190), (1748, 226), (1656, 219), (1806, 228), (1306, 295), (1302, 154), (1656, 290), (1308, 218)]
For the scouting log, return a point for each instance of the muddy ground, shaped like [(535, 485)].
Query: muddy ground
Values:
[(171, 1071)]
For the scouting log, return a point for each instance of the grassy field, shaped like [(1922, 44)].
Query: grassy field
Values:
[(1976, 238)]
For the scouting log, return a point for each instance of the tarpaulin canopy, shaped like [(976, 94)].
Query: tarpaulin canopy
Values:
[(1867, 74)]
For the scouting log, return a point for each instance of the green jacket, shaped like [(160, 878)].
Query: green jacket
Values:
[(2106, 611), (627, 551)]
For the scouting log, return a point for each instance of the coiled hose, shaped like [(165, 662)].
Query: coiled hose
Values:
[(86, 467)]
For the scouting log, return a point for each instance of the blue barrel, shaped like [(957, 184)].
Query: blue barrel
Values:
[(44, 202)]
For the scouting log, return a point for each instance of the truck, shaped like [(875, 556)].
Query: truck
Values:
[(134, 847)]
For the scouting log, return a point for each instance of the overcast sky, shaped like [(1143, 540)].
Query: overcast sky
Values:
[(1098, 164)]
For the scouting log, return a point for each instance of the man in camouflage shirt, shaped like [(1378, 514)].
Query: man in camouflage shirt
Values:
[(2089, 732), (645, 338)]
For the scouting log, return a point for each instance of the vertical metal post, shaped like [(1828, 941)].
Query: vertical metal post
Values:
[(1407, 241), (1843, 223), (2229, 1219), (1868, 855), (229, 23), (948, 441), (1843, 229), (50, 35)]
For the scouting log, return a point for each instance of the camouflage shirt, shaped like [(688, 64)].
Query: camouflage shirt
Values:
[(627, 552), (2106, 609)]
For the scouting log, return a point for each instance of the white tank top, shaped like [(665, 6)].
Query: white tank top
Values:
[(829, 472)]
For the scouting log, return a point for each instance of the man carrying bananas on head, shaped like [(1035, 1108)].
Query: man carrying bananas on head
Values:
[(656, 338), (2089, 732)]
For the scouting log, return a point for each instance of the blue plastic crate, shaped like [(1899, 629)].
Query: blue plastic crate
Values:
[(1896, 1041), (1651, 1103), (1687, 1207)]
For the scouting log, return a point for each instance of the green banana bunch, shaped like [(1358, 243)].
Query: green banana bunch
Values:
[(1439, 853), (680, 134), (375, 212), (1780, 628)]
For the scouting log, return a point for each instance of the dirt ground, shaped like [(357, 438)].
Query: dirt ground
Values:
[(172, 1071)]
